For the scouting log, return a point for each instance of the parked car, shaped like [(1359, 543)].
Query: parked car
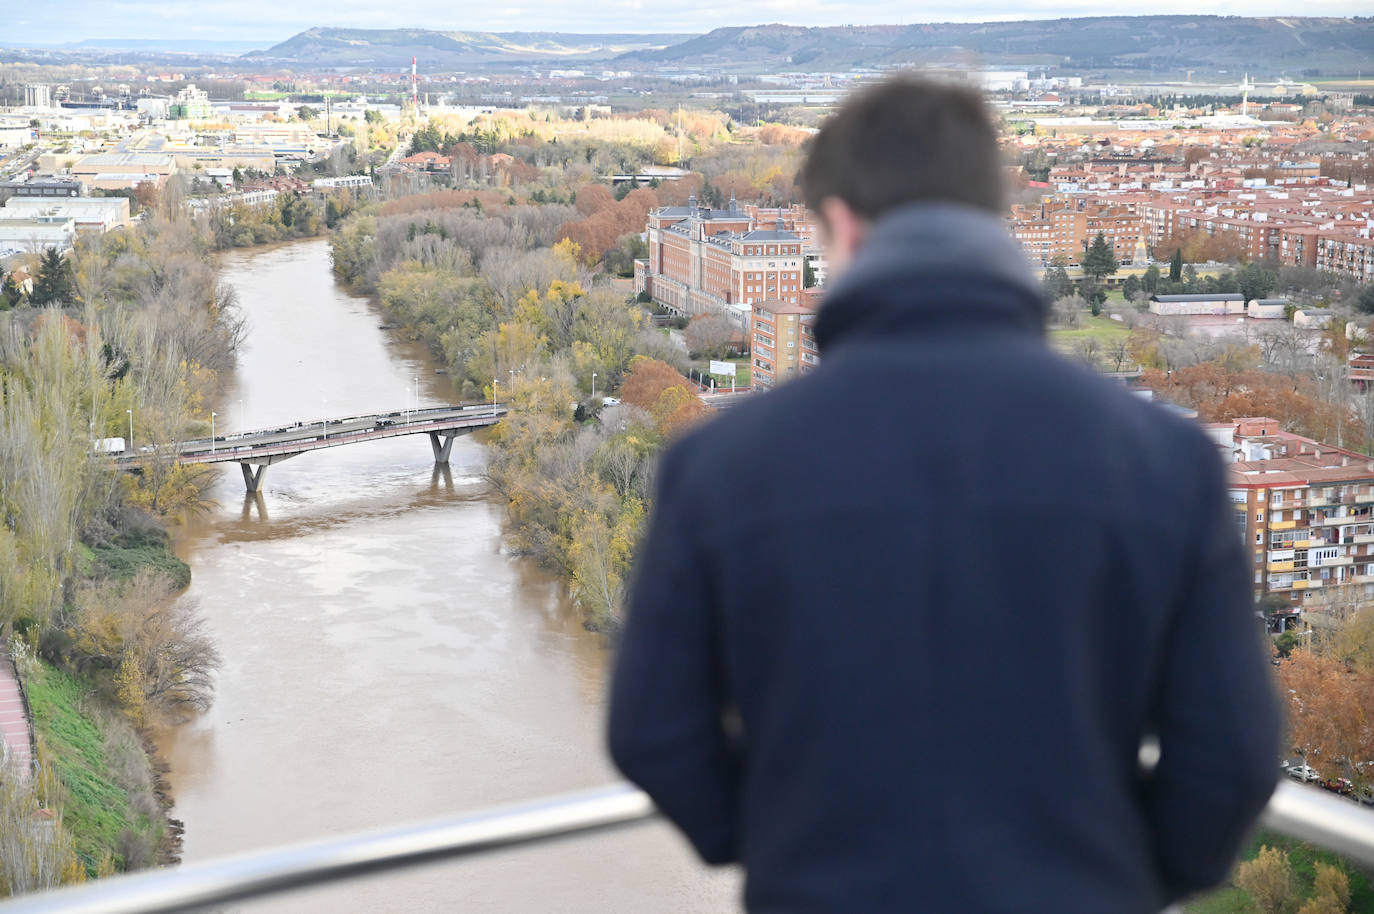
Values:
[(1337, 785), (1304, 772)]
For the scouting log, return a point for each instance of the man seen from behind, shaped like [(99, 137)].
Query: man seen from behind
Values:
[(900, 628)]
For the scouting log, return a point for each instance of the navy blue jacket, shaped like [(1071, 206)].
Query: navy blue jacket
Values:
[(899, 628)]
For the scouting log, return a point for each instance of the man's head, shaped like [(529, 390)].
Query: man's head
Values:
[(903, 141)]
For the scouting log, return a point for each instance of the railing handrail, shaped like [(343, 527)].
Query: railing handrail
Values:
[(266, 872), (1301, 812)]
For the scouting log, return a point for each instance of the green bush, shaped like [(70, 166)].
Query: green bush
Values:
[(144, 547)]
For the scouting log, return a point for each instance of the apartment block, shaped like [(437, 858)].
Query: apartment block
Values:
[(782, 342), (1305, 509)]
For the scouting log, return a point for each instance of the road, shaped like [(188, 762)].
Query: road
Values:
[(309, 435)]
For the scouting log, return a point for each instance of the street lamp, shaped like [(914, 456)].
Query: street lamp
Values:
[(494, 382), (593, 385), (213, 414), (131, 429), (416, 380)]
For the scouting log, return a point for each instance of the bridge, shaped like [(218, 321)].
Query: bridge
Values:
[(256, 450)]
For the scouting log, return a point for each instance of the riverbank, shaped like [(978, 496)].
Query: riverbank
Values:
[(96, 768)]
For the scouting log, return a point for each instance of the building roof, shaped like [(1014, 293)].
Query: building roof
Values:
[(775, 306), (1219, 296)]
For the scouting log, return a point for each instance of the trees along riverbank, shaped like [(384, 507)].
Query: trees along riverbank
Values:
[(132, 347), (515, 315)]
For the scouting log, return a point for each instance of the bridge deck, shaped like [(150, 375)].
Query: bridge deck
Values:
[(298, 437)]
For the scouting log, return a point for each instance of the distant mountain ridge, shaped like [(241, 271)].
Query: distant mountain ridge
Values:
[(1260, 45), (1159, 43), (446, 50)]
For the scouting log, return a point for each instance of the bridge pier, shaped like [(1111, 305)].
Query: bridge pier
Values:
[(252, 477), (442, 450), (253, 467)]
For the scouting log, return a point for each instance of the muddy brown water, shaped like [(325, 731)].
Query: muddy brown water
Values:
[(384, 660)]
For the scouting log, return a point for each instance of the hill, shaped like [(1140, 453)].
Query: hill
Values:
[(448, 50), (1265, 46)]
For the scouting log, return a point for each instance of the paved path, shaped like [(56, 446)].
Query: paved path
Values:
[(14, 724)]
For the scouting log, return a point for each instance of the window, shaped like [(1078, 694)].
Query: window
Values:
[(1259, 517)]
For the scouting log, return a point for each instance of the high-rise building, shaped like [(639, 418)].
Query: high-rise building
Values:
[(37, 96), (190, 104), (781, 342)]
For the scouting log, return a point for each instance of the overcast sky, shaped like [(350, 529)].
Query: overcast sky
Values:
[(271, 21)]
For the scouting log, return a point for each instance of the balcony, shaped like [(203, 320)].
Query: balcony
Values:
[(1296, 810), (1281, 566)]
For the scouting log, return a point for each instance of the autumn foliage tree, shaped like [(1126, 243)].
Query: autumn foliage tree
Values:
[(655, 386), (1268, 880), (1330, 711)]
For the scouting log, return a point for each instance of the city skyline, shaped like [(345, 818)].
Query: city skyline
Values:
[(266, 24)]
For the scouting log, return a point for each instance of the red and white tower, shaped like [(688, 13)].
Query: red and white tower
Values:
[(414, 94)]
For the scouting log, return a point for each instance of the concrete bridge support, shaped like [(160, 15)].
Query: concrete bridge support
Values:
[(252, 469), (443, 448)]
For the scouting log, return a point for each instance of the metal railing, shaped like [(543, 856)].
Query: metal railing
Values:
[(1301, 812)]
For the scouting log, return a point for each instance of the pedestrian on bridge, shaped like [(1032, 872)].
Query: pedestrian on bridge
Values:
[(905, 654)]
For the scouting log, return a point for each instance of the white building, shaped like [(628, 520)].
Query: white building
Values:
[(88, 214), (1221, 303), (36, 96), (19, 236), (1267, 308)]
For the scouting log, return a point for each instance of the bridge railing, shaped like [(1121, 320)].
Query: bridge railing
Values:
[(1301, 812), (410, 417)]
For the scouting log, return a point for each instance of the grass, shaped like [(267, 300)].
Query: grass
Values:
[(134, 550), (1231, 900), (72, 743), (742, 364), (1103, 328)]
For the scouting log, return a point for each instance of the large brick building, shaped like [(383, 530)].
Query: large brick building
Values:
[(703, 259)]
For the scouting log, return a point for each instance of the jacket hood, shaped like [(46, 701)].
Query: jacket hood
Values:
[(932, 262)]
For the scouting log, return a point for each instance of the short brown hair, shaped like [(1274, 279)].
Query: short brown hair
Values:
[(902, 141)]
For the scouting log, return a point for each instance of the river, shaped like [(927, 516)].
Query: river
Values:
[(383, 659)]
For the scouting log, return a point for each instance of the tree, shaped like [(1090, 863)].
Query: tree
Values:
[(1365, 303), (1256, 281), (1057, 283), (1099, 261), (656, 386), (307, 113), (1130, 287), (808, 274), (152, 642), (1267, 879), (10, 293), (1176, 266), (1151, 280), (710, 336), (1329, 711), (53, 284)]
